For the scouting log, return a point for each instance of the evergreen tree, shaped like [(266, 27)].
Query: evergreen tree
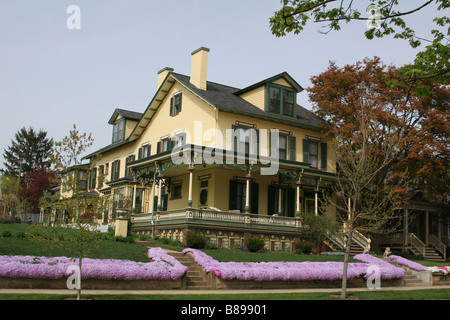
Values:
[(28, 151)]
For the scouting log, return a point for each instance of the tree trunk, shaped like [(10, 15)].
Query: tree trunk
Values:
[(346, 256)]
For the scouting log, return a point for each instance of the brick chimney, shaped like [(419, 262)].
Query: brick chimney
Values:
[(199, 67)]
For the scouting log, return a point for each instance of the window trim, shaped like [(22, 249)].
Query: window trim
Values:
[(120, 134), (281, 107)]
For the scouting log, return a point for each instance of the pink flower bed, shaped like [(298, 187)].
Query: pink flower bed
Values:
[(294, 271), (162, 267), (408, 263)]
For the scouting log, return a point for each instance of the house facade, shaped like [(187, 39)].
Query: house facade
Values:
[(226, 161), (229, 162)]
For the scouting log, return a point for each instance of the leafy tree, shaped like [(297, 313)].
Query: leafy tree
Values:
[(383, 18), (34, 186), (386, 137), (394, 110), (27, 152), (10, 194)]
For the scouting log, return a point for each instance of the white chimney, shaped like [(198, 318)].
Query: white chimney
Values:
[(162, 74), (199, 67)]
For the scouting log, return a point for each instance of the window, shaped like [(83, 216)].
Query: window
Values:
[(144, 152), (281, 100), (119, 131), (165, 144), (130, 158), (101, 172), (93, 180), (203, 193), (281, 200), (286, 146), (245, 140), (237, 195), (274, 99), (176, 190), (115, 170), (311, 153), (175, 104)]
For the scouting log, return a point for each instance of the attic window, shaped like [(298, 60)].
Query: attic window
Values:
[(280, 100), (118, 130)]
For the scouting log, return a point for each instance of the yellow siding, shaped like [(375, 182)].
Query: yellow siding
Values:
[(255, 97)]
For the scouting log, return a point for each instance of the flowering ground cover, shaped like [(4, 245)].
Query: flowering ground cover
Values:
[(408, 263), (162, 267), (294, 271)]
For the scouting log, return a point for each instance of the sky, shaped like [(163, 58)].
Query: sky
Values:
[(52, 76)]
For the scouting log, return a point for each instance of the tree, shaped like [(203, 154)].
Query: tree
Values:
[(34, 186), (9, 190), (81, 208), (394, 109), (386, 137), (27, 152), (384, 18)]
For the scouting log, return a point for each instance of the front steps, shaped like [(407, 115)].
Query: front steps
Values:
[(195, 277)]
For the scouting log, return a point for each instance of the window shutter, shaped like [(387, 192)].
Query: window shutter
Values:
[(158, 147), (271, 200), (113, 170), (178, 103), (292, 148), (140, 153), (323, 156), (235, 136), (232, 204), (257, 142), (291, 203), (254, 197), (306, 151), (171, 106)]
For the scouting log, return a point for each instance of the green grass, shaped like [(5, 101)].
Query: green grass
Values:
[(107, 249), (429, 294)]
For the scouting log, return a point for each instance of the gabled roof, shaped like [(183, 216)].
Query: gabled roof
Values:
[(283, 75), (127, 114), (225, 98)]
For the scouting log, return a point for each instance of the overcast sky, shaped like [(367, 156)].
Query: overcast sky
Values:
[(52, 77)]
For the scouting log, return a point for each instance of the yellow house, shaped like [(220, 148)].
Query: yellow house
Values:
[(226, 161)]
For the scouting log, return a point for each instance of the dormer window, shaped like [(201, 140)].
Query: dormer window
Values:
[(281, 100), (118, 130)]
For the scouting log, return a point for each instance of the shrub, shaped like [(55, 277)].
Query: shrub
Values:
[(196, 240), (303, 247), (254, 244), (6, 234), (21, 235)]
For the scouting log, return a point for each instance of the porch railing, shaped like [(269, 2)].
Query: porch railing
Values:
[(417, 244), (227, 217), (436, 243)]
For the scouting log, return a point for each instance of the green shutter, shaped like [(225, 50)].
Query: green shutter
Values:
[(323, 156), (140, 153), (178, 103), (232, 203), (171, 106), (306, 151), (291, 202), (254, 197), (158, 147), (292, 148), (271, 200)]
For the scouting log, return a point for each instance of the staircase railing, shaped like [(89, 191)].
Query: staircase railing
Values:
[(436, 243), (360, 239), (416, 243)]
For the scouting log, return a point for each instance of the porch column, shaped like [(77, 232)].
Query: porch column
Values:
[(297, 212), (316, 202), (191, 172), (134, 199), (279, 201), (159, 191), (247, 193)]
